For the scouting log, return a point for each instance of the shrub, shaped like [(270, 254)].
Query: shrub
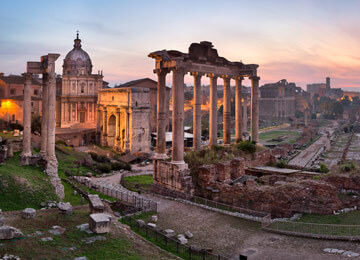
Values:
[(35, 123), (247, 146), (323, 168), (281, 164), (117, 166), (216, 147), (99, 158), (348, 167), (127, 167), (16, 126), (104, 167), (58, 142)]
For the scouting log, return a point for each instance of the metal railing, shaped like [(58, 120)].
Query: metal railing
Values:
[(170, 244), (328, 231), (130, 198), (227, 207)]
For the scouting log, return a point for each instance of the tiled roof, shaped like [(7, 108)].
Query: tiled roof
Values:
[(135, 82), (16, 79)]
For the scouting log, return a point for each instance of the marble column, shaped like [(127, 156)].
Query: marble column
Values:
[(238, 108), (161, 115), (254, 108), (245, 118), (226, 110), (44, 115), (197, 111), (213, 110), (52, 163), (26, 143), (178, 116)]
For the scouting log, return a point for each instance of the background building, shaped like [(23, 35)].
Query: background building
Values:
[(77, 90), (12, 98)]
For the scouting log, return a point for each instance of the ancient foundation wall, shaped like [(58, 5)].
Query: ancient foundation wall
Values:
[(260, 158), (172, 179)]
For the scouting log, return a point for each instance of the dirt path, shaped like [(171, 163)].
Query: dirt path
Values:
[(231, 236)]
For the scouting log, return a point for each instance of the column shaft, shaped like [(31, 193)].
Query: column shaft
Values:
[(44, 115), (238, 109), (51, 115), (178, 116), (226, 111), (245, 117), (161, 115), (254, 108), (26, 152), (197, 111), (213, 110)]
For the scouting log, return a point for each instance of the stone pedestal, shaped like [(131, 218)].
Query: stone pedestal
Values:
[(99, 223), (28, 213), (95, 204)]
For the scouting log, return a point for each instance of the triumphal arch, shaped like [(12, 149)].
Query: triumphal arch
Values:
[(201, 60)]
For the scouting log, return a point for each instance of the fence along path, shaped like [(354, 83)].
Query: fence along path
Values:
[(120, 193)]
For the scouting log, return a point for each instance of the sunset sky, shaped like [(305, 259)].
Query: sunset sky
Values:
[(302, 41)]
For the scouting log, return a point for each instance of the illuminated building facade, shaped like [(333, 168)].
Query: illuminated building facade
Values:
[(12, 98)]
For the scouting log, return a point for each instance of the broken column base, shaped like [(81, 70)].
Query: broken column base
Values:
[(52, 171), (172, 179)]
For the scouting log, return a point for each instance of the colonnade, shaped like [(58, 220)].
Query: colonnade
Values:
[(178, 111)]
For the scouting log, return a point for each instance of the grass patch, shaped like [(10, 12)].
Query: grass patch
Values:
[(116, 245), (288, 136), (23, 186), (351, 218), (134, 183)]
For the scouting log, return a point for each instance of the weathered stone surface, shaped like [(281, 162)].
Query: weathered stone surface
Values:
[(188, 234), (10, 257), (95, 204), (81, 258), (181, 238), (151, 225), (154, 218), (56, 230), (8, 232), (28, 213), (46, 239), (90, 240), (83, 227), (99, 223), (140, 222), (65, 208), (1, 218)]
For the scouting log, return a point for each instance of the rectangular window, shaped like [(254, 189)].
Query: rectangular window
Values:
[(12, 91), (82, 89), (35, 92), (32, 104)]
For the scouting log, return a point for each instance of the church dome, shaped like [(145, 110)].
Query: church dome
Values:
[(77, 61)]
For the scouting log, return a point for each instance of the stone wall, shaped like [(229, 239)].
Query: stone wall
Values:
[(172, 179), (260, 158)]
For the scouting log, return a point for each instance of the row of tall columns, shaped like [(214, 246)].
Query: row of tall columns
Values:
[(178, 112), (26, 144)]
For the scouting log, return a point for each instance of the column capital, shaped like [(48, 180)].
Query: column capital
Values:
[(179, 70), (117, 110), (161, 71), (212, 75), (225, 77), (238, 78), (197, 74), (254, 77)]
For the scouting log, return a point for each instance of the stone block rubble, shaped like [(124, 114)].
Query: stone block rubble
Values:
[(28, 213), (99, 223), (8, 232)]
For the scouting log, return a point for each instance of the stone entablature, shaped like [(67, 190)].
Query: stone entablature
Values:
[(124, 119)]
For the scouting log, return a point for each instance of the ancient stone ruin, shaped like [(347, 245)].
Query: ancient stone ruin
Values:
[(202, 59), (46, 67)]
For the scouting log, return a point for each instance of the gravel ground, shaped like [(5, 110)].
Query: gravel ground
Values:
[(231, 236)]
